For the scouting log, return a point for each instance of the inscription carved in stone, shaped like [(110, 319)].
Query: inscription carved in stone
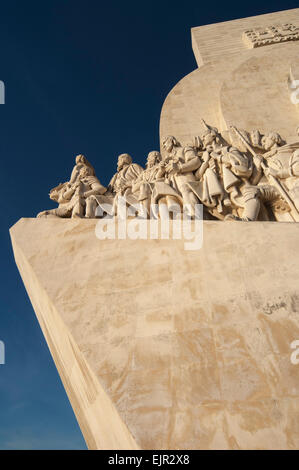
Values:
[(271, 35)]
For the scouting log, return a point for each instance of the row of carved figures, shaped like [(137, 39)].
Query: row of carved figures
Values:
[(236, 175)]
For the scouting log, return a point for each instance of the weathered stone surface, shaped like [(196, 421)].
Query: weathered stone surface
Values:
[(234, 84), (229, 135), (164, 348)]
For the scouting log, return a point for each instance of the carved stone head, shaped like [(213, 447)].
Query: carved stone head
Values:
[(209, 137), (270, 140), (153, 158), (169, 143), (123, 160), (54, 193), (80, 159)]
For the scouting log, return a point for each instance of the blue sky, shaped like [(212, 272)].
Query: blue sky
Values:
[(81, 77)]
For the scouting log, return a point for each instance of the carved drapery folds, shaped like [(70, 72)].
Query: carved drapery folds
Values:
[(236, 175)]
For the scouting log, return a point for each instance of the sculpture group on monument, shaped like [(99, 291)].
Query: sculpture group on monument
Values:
[(235, 174)]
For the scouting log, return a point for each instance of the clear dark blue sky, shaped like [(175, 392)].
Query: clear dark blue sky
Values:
[(81, 77)]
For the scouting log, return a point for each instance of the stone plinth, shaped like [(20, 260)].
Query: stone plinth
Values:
[(162, 348)]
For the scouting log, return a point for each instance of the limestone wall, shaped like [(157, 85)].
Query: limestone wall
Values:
[(162, 348), (236, 85)]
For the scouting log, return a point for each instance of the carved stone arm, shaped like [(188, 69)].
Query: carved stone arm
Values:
[(284, 173), (161, 172), (189, 166), (200, 172), (112, 183), (96, 188), (271, 152)]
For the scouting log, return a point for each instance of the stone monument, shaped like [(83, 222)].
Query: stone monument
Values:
[(162, 347)]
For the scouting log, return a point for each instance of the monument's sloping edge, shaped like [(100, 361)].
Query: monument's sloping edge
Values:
[(193, 348), (98, 419)]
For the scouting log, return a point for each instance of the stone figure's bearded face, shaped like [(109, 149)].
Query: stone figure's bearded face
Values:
[(168, 144), (54, 193), (209, 137), (152, 159), (123, 160), (271, 139), (268, 142)]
